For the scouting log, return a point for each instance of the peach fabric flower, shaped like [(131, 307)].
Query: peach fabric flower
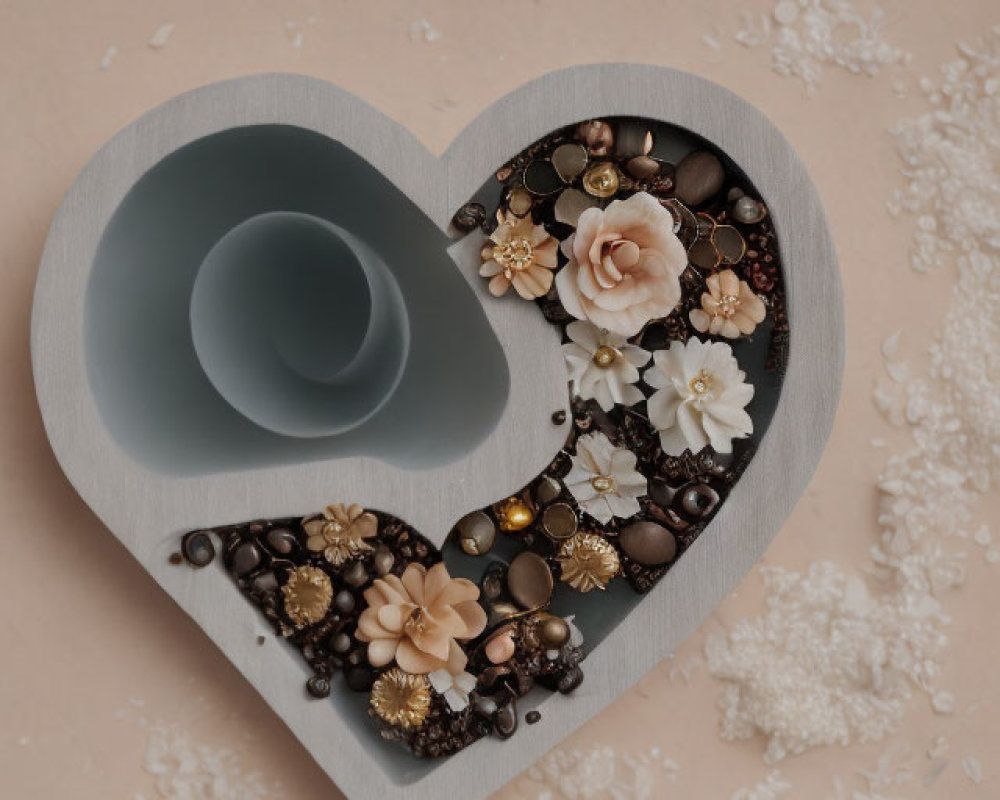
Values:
[(729, 308), (418, 619), (624, 265), (521, 254)]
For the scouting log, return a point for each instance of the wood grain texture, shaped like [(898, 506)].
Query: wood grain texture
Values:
[(146, 510)]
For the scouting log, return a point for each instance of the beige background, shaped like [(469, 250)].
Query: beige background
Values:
[(90, 647)]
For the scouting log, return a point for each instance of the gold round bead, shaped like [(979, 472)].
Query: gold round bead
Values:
[(601, 180), (603, 484), (514, 514), (605, 355)]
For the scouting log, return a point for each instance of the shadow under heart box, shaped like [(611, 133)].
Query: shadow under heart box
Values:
[(443, 453)]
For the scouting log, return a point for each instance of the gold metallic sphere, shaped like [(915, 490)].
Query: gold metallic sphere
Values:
[(605, 355), (601, 180), (553, 632), (515, 515)]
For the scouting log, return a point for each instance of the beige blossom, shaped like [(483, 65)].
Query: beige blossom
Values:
[(419, 618), (729, 308), (625, 263), (340, 532), (521, 254)]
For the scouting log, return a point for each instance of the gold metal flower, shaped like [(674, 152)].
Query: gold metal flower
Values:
[(588, 562), (308, 593), (401, 698), (340, 532)]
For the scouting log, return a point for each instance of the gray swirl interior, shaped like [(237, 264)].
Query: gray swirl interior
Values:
[(148, 382)]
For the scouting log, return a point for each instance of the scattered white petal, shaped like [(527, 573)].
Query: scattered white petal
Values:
[(109, 56), (422, 30), (973, 769), (161, 35)]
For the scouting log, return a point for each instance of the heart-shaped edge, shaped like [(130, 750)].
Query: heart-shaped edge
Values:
[(755, 509)]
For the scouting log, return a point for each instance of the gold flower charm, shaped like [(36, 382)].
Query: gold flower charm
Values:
[(401, 698), (341, 532), (521, 254), (308, 593), (588, 562)]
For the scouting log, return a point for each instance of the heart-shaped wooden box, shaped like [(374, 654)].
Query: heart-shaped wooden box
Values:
[(154, 450)]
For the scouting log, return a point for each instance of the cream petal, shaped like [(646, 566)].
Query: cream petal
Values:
[(624, 296), (735, 418), (566, 287), (714, 290), (716, 325), (441, 681), (524, 286), (538, 236), (751, 304), (586, 283), (672, 441), (437, 578), (547, 254), (490, 268), (433, 641), (458, 590), (690, 424), (622, 461), (729, 329), (718, 435), (656, 376), (499, 285), (464, 682), (631, 395), (382, 651), (729, 284), (599, 509), (607, 272), (743, 323), (365, 526), (585, 334), (737, 395), (369, 628), (386, 590), (587, 227), (601, 392), (392, 618), (542, 277), (413, 582), (473, 617), (635, 355), (621, 506), (699, 320), (412, 660)]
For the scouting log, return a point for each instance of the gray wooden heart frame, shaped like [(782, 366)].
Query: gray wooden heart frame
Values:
[(147, 511)]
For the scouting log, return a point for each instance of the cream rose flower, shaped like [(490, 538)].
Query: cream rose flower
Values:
[(624, 265), (701, 397), (418, 619)]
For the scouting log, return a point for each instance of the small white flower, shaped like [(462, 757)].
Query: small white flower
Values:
[(604, 480), (701, 397), (603, 366), (454, 688)]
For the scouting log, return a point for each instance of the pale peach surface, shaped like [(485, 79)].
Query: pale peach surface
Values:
[(91, 645)]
